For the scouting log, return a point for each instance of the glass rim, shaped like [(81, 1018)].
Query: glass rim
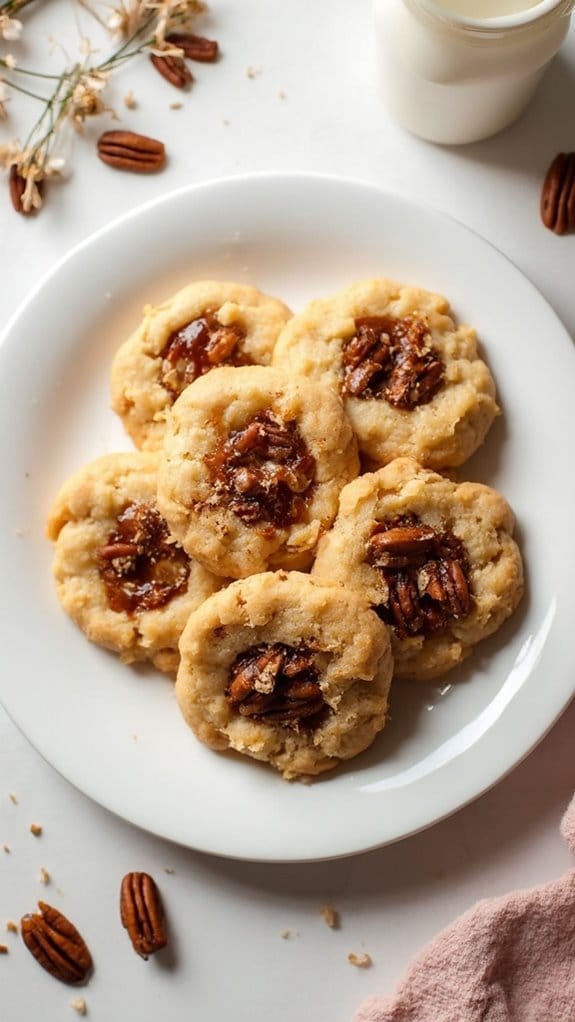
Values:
[(519, 20)]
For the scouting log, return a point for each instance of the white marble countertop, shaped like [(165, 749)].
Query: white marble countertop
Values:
[(312, 104)]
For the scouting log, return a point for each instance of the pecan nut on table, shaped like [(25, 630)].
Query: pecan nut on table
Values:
[(126, 150), (142, 913), (56, 944)]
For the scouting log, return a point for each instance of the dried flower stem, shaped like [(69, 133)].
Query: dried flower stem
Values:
[(77, 91)]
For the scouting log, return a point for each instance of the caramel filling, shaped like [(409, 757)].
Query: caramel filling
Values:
[(392, 359), (426, 575), (141, 566), (264, 472)]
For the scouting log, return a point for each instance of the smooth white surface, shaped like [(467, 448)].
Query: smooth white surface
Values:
[(226, 917), (297, 237)]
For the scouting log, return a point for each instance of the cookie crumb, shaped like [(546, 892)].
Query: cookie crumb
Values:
[(285, 934), (3, 949), (130, 100), (44, 876), (13, 798), (169, 869), (6, 849), (36, 829), (176, 106), (363, 961), (80, 1006), (253, 72), (11, 926), (281, 94), (330, 916), (225, 121)]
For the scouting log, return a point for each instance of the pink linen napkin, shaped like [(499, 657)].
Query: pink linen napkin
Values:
[(509, 959)]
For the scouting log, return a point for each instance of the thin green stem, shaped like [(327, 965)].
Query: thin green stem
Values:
[(26, 92), (13, 6), (34, 74)]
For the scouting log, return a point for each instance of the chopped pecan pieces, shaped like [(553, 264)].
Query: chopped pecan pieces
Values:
[(196, 348), (264, 472), (426, 576), (391, 358), (56, 944), (141, 566), (142, 913), (279, 683), (558, 194)]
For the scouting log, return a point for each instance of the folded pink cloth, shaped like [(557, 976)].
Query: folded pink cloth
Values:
[(509, 959)]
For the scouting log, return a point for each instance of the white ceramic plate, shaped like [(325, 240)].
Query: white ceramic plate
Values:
[(117, 733)]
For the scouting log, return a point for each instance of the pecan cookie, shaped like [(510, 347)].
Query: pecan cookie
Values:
[(285, 669), (119, 573), (435, 559), (410, 379), (209, 323), (252, 468)]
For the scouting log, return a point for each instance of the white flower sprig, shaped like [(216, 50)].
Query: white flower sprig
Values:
[(77, 92)]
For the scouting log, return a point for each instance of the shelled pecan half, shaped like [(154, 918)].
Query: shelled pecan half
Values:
[(173, 69), (17, 186), (142, 913), (195, 47), (558, 195), (56, 944), (276, 682), (426, 576), (126, 150)]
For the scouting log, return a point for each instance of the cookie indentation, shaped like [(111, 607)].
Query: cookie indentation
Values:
[(279, 683), (197, 347), (425, 573), (141, 566), (264, 471), (393, 359)]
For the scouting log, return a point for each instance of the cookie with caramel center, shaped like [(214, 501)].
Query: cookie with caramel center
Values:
[(285, 669), (411, 379), (207, 324), (436, 560)]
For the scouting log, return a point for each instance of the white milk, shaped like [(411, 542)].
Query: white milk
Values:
[(486, 8), (452, 75)]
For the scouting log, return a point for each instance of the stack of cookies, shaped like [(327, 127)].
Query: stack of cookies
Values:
[(288, 536)]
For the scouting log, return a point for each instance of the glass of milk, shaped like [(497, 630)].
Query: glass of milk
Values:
[(456, 71)]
